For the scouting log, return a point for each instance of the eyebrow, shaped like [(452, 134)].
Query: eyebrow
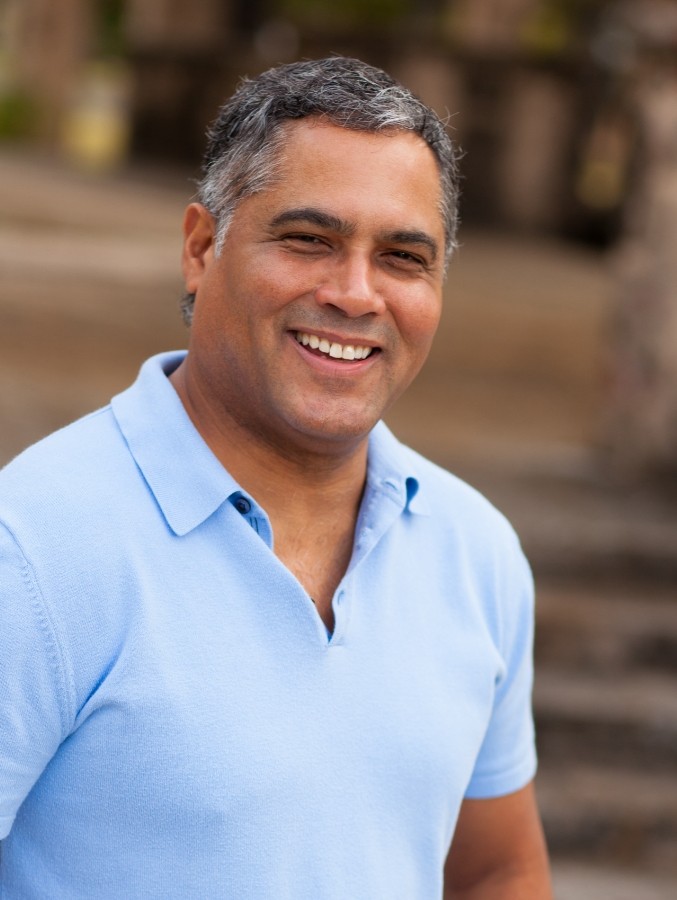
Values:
[(331, 222), (315, 217)]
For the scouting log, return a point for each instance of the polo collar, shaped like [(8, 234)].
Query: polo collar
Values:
[(392, 470), (186, 479), (189, 483)]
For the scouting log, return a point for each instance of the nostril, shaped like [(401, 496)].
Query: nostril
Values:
[(350, 303)]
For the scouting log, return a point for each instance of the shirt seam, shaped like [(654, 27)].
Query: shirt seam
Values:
[(504, 780), (46, 626)]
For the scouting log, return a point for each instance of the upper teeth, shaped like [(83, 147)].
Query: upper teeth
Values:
[(337, 351)]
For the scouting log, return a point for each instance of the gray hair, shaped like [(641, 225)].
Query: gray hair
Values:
[(246, 139)]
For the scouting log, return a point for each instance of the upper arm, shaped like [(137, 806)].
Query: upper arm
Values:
[(498, 850), (32, 683), (507, 758)]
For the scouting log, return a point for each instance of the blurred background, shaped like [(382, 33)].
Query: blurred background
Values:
[(552, 385)]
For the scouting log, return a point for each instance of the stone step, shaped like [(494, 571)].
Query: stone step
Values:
[(605, 816), (582, 881), (628, 720), (580, 522), (607, 626)]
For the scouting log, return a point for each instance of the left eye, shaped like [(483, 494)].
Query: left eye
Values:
[(405, 258), (309, 239)]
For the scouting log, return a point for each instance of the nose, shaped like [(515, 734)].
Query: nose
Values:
[(350, 288)]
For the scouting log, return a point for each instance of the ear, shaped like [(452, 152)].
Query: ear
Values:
[(198, 244)]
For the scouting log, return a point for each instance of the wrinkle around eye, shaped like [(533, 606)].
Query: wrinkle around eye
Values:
[(404, 261), (306, 242), (406, 256)]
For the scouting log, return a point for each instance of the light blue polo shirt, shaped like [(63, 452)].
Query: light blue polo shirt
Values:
[(175, 721)]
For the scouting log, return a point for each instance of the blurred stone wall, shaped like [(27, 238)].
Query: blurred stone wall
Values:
[(566, 113), (44, 45), (512, 99), (643, 348)]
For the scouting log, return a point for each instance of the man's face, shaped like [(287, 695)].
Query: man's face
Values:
[(322, 305)]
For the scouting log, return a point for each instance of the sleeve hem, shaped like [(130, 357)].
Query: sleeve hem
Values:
[(504, 783)]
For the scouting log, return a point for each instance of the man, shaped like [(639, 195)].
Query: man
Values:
[(251, 646)]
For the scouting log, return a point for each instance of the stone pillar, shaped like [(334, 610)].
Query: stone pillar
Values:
[(433, 78), (490, 25), (644, 352), (538, 122), (51, 43), (177, 50), (175, 24)]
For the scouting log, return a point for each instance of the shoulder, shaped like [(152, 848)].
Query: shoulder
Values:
[(88, 463), (470, 538), (52, 476), (67, 501), (456, 506), (57, 502)]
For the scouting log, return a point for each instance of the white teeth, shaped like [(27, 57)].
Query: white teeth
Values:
[(333, 349)]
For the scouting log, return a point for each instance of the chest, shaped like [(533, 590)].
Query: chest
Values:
[(218, 707), (226, 692)]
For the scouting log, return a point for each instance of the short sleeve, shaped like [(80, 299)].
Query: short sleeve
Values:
[(33, 695), (507, 758)]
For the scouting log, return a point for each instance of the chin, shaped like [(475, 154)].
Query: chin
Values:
[(335, 429)]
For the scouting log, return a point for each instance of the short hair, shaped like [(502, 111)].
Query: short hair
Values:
[(246, 138)]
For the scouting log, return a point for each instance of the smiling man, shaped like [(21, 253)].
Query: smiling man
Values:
[(251, 645)]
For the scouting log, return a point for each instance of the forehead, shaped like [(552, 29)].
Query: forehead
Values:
[(393, 172)]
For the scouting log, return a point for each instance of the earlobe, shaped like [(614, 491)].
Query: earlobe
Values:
[(198, 244)]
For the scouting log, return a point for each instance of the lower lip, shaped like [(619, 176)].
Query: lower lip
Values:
[(331, 366)]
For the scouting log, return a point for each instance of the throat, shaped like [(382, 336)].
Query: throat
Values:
[(318, 557), (325, 611)]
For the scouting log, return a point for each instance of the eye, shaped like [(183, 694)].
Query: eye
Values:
[(307, 238), (403, 259), (304, 241)]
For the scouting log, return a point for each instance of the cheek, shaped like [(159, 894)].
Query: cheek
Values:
[(231, 303), (283, 278), (269, 288), (418, 319)]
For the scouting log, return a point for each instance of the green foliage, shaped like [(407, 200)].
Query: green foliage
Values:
[(18, 114), (556, 25), (110, 28)]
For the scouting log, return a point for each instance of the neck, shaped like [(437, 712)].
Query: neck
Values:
[(311, 492), (287, 479)]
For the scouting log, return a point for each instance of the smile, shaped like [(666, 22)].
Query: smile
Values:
[(336, 351)]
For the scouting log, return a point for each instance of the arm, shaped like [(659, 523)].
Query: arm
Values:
[(498, 851), (33, 685)]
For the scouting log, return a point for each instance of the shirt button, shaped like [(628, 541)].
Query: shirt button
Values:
[(242, 505)]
